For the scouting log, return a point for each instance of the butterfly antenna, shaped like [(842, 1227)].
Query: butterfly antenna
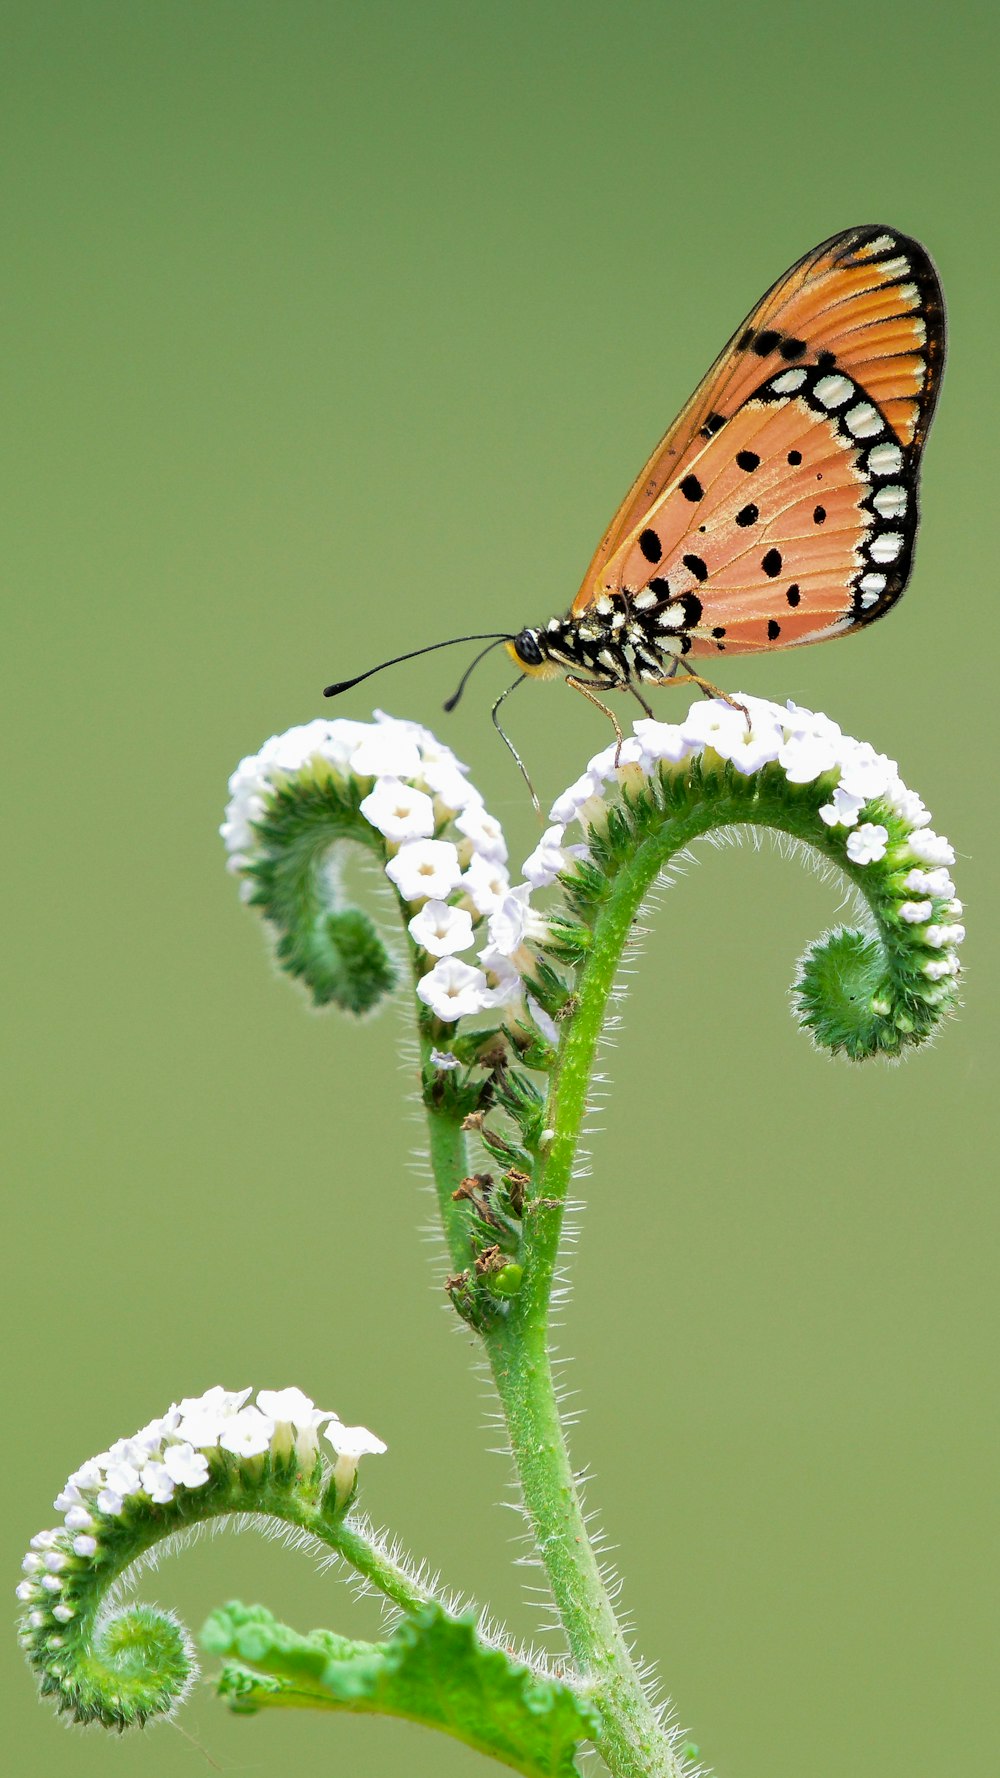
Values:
[(333, 691), (463, 682), (508, 743)]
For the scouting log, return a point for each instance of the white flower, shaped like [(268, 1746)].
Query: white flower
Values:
[(662, 740), (485, 883), (484, 831), (291, 1412), (84, 1546), (503, 982), (574, 800), (542, 866), (246, 1434), (442, 930), (750, 749), (350, 1444), (452, 989), (87, 1477), (864, 772), (843, 808), (721, 726), (797, 721), (915, 912), (201, 1427), (940, 936), (868, 844), (510, 920), (937, 968), (805, 757), (63, 1613), (906, 804), (123, 1479), (444, 1060), (929, 882), (157, 1483), (398, 811), (710, 720), (185, 1466), (930, 848), (109, 1502), (290, 1405), (353, 1441), (612, 759), (445, 778), (386, 750), (222, 1401), (425, 870), (546, 1025)]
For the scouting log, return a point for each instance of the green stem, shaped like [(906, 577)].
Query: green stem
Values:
[(633, 1741), (366, 1552), (449, 1164), (641, 841)]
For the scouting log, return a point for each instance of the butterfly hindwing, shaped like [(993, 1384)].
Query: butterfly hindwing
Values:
[(866, 304), (795, 522)]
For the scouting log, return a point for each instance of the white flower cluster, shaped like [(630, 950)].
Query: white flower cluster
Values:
[(806, 746), (174, 1453), (419, 792)]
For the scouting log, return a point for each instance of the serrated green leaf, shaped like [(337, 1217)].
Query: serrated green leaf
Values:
[(435, 1669)]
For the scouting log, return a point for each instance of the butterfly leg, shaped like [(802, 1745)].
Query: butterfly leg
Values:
[(586, 688), (637, 694), (706, 686)]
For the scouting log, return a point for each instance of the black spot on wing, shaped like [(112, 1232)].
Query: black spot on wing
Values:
[(692, 489), (748, 460), (773, 630), (650, 545), (695, 566), (771, 563), (748, 515)]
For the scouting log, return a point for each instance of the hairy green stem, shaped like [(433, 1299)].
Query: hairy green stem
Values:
[(633, 1742)]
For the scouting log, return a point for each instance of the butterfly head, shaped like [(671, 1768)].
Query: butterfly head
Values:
[(528, 649)]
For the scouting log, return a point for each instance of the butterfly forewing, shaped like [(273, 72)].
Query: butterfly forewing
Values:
[(793, 523), (867, 305)]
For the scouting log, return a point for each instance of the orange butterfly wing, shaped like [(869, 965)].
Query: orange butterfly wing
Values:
[(867, 303), (795, 522)]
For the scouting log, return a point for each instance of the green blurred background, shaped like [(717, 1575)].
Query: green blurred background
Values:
[(303, 301)]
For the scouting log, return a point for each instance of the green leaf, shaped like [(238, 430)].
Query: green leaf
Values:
[(435, 1669)]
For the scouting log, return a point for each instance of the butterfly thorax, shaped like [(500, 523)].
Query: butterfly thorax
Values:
[(616, 641)]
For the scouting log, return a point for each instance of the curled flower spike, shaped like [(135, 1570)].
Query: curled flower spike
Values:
[(391, 787), (864, 993), (210, 1455)]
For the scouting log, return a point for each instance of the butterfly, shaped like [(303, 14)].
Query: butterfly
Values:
[(781, 505)]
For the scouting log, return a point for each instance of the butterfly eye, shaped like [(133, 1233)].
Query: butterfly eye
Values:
[(526, 648)]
